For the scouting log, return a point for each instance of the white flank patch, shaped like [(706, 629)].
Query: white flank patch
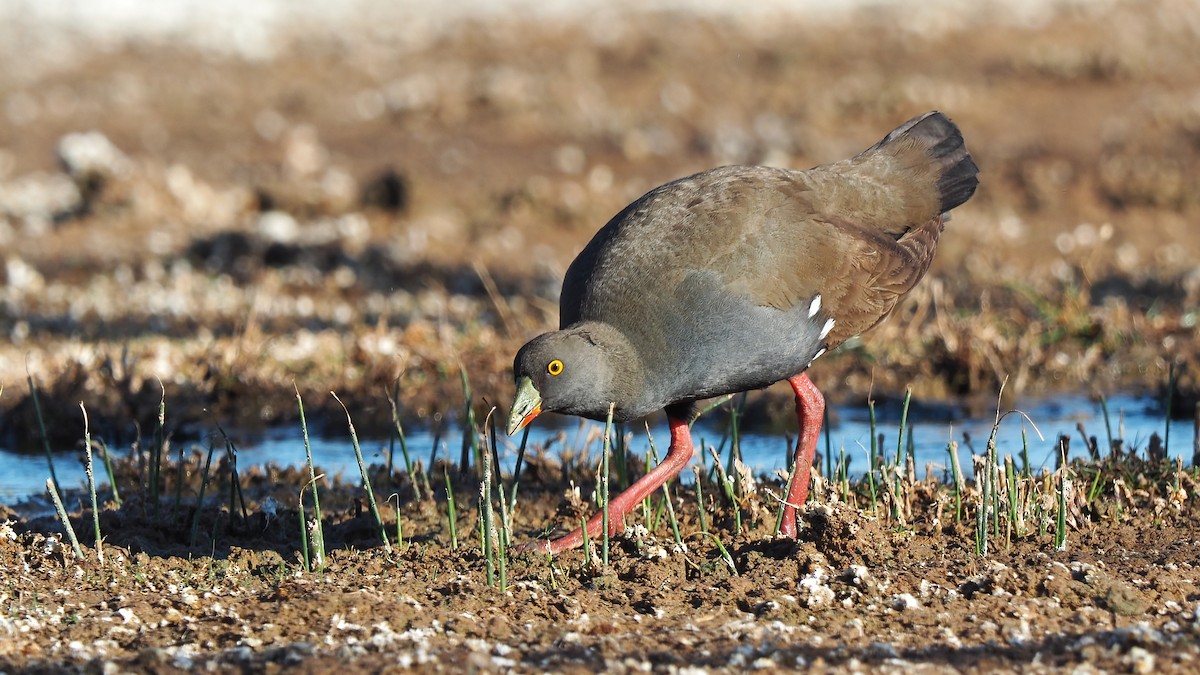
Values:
[(815, 357), (828, 327), (815, 306)]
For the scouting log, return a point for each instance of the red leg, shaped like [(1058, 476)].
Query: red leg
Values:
[(810, 410), (678, 455)]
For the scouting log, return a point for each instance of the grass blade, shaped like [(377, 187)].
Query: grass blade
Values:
[(486, 524), (607, 451), (956, 472), (587, 543), (236, 497), (787, 490), (179, 478), (91, 477), (451, 510), (316, 550), (200, 497), (1025, 469), (304, 556), (1060, 520), (1167, 414), (408, 466), (318, 520), (900, 451), (157, 452), (727, 488), (470, 440), (1107, 425), (112, 478), (498, 480), (37, 411), (871, 457), (62, 518), (366, 478), (512, 501), (1196, 438)]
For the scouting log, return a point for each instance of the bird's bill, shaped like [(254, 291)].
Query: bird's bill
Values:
[(526, 406)]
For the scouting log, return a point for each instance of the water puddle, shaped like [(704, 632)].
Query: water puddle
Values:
[(25, 475)]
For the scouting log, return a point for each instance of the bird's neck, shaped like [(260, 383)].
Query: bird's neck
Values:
[(623, 368)]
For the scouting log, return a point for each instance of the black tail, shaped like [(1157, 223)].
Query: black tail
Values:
[(940, 140)]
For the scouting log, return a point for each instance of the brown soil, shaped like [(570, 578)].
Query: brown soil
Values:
[(856, 591), (357, 215)]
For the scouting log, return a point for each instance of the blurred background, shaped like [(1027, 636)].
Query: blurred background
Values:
[(231, 197)]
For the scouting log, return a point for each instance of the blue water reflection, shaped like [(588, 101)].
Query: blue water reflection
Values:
[(25, 475)]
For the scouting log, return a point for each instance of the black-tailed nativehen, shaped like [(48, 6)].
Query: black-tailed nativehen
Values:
[(736, 278)]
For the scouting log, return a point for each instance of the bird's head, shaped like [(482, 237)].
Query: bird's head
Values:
[(566, 371)]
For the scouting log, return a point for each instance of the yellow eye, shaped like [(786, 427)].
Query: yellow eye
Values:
[(555, 367)]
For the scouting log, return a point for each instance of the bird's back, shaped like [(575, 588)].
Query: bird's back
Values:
[(685, 258)]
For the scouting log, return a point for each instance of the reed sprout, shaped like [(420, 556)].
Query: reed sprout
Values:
[(604, 478), (41, 423), (91, 478), (62, 518), (366, 477), (451, 510)]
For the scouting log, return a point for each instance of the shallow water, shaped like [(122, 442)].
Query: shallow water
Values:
[(25, 475)]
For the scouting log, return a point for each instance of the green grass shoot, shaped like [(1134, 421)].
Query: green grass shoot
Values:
[(1026, 470), (41, 422), (312, 549), (872, 455), (1112, 448), (180, 469), (91, 477), (470, 440), (156, 452), (498, 479), (399, 521), (62, 518), (318, 519), (512, 500), (200, 497), (1060, 520), (305, 558), (957, 477), (1171, 374), (108, 469), (366, 478), (236, 497), (451, 510), (724, 552), (787, 490), (604, 478), (896, 506), (487, 526), (587, 543), (727, 488), (408, 465)]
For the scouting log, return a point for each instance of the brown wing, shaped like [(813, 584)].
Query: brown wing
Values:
[(879, 272), (792, 253), (860, 233)]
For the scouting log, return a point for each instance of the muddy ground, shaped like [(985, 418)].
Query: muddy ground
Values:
[(862, 589), (369, 207)]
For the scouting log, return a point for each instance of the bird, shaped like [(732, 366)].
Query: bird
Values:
[(735, 278)]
